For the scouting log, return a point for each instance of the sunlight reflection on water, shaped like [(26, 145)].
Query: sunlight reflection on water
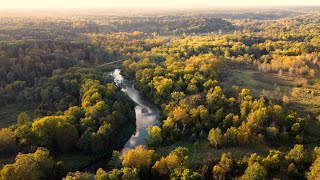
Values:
[(146, 113)]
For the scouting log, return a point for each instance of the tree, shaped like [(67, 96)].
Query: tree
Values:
[(76, 112), (218, 172), (162, 85), (23, 118), (66, 136), (24, 135), (256, 119), (101, 175), (314, 170), (154, 133), (318, 119), (230, 136), (180, 114), (100, 140), (272, 132), (184, 173), (8, 143), (123, 174), (223, 167), (278, 115), (292, 170), (274, 160), (295, 127), (215, 137), (139, 158), (285, 100), (129, 174), (255, 172), (200, 115), (177, 96), (78, 176), (38, 165), (215, 97), (175, 159), (55, 131), (226, 161), (115, 160), (316, 153), (297, 154), (245, 95)]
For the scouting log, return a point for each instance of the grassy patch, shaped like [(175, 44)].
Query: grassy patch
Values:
[(257, 82), (303, 92), (201, 153), (9, 114), (283, 80), (74, 162)]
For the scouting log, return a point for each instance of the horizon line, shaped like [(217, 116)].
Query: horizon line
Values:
[(166, 6)]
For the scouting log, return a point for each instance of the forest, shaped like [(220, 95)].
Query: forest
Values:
[(238, 93)]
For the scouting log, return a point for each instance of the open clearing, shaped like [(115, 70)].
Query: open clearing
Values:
[(304, 95), (9, 114)]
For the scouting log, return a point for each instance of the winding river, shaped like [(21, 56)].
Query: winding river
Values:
[(146, 113)]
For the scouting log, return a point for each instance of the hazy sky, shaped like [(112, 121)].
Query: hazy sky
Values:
[(12, 4)]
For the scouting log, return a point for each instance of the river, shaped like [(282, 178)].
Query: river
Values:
[(146, 112)]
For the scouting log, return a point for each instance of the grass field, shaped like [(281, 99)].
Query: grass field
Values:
[(9, 114), (202, 153), (303, 92), (74, 162)]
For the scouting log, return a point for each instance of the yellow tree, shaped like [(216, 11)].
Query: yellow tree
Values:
[(139, 158), (176, 159), (215, 137)]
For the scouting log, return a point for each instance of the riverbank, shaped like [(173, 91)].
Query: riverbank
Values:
[(147, 114)]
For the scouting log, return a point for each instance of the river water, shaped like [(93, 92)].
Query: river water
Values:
[(146, 112)]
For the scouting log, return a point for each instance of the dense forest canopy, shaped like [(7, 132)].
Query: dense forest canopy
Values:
[(239, 94)]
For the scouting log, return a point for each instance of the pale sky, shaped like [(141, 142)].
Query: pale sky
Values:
[(13, 4)]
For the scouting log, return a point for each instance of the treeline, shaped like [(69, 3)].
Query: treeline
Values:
[(26, 67), (101, 122), (71, 28), (141, 163)]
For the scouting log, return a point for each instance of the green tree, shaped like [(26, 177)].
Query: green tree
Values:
[(292, 170), (8, 143), (23, 118), (184, 174), (78, 176), (36, 166), (101, 175), (255, 172), (55, 131), (297, 154), (154, 133), (129, 174), (115, 160), (274, 160), (223, 167), (215, 137), (162, 85)]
